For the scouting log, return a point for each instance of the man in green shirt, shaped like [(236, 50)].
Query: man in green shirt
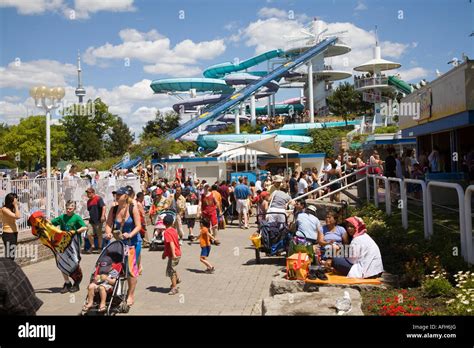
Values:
[(68, 261)]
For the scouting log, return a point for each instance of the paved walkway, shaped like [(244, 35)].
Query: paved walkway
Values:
[(233, 289)]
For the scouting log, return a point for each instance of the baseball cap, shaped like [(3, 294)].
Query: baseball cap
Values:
[(90, 189), (159, 191), (105, 265), (122, 191)]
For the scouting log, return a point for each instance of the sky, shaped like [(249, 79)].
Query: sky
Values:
[(126, 44)]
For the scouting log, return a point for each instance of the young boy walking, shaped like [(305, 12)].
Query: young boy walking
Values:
[(205, 238), (172, 252)]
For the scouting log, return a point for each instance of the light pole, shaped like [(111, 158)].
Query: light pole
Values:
[(47, 99)]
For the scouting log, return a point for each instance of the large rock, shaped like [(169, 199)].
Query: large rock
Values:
[(321, 302), (281, 285)]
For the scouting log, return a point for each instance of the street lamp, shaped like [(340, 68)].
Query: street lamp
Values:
[(47, 99)]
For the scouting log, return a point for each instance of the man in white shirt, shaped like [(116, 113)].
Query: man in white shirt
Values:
[(327, 167), (302, 185), (69, 182)]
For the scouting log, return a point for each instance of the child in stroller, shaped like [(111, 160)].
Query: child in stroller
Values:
[(105, 282), (158, 238)]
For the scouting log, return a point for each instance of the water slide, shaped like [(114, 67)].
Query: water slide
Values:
[(302, 129), (214, 111), (210, 141), (220, 70), (400, 85)]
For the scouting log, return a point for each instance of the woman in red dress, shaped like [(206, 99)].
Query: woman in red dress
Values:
[(209, 210)]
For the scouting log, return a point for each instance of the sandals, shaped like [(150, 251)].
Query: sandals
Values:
[(173, 291), (210, 270), (102, 309), (86, 308)]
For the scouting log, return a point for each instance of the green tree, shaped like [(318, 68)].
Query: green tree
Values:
[(346, 102), (161, 125), (29, 139), (95, 135), (120, 138), (323, 141), (4, 128)]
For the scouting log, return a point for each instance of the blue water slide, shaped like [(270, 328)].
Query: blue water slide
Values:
[(214, 111), (220, 70)]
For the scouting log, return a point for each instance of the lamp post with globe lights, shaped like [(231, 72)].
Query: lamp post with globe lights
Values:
[(47, 99)]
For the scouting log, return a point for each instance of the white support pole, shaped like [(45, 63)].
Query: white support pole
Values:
[(403, 196), (237, 121), (367, 187), (465, 249), (253, 115), (48, 164), (273, 105), (310, 92), (424, 193), (269, 107), (376, 191), (468, 212)]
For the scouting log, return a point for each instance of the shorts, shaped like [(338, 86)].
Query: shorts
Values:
[(95, 229), (205, 251), (171, 267), (190, 222), (105, 285), (242, 206), (212, 218)]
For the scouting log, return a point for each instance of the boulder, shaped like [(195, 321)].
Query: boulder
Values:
[(321, 302)]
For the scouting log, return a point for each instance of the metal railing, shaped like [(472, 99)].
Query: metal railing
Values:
[(468, 223), (464, 201), (370, 81), (32, 195)]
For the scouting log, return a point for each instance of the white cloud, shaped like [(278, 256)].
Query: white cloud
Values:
[(33, 7), (360, 6), (19, 74), (81, 9), (152, 47), (271, 12), (266, 35), (393, 49), (180, 70), (413, 74), (10, 113), (135, 103)]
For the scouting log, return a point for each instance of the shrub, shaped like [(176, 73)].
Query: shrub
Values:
[(463, 303), (436, 287)]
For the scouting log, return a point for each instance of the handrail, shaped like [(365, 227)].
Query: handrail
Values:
[(424, 193), (465, 250), (468, 216), (403, 196), (331, 182)]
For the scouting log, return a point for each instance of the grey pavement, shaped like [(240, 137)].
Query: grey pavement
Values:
[(235, 287)]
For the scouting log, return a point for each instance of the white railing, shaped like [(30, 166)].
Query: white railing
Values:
[(464, 201), (32, 195), (468, 224), (466, 245)]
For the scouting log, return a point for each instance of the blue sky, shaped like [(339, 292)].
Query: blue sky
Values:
[(163, 39)]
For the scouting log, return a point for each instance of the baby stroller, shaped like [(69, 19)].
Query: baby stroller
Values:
[(117, 296), (272, 238), (158, 240)]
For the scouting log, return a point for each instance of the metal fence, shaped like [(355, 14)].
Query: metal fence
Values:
[(32, 194)]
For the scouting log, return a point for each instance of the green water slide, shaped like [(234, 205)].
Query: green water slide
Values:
[(400, 85)]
